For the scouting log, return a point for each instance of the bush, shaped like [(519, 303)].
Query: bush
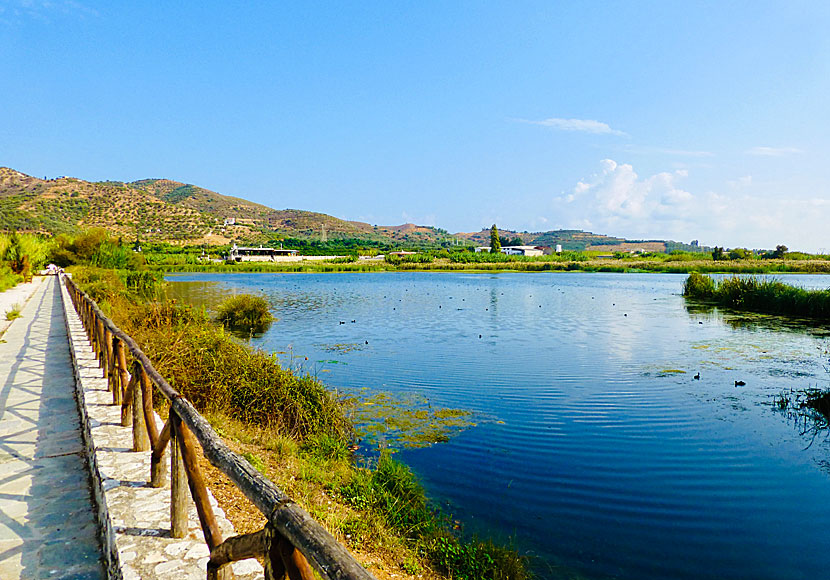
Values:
[(245, 313)]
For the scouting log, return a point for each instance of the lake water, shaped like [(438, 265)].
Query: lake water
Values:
[(591, 449)]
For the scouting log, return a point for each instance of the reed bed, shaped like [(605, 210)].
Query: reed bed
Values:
[(755, 294)]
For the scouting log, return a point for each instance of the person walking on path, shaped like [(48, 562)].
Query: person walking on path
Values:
[(47, 515)]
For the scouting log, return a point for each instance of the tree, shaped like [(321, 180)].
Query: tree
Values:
[(717, 254), (495, 244), (780, 250), (739, 254)]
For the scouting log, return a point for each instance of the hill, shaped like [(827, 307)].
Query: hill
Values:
[(574, 240), (171, 211), (163, 210)]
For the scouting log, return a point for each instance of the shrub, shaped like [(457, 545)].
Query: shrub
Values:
[(245, 313)]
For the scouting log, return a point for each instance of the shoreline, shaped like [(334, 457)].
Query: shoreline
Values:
[(772, 267)]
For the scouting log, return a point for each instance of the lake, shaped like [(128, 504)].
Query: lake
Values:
[(595, 449)]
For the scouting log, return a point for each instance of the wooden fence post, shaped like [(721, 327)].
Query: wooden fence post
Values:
[(102, 345), (158, 472), (147, 404), (198, 489), (141, 440), (284, 560), (109, 352), (178, 485), (116, 389)]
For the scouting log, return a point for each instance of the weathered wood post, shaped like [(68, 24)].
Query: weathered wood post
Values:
[(127, 403), (141, 439), (110, 355), (178, 483), (98, 338), (158, 471), (198, 489), (284, 560), (147, 404), (116, 389), (103, 345)]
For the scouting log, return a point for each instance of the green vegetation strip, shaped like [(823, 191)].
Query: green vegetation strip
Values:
[(759, 295)]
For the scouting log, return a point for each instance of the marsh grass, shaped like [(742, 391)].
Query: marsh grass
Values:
[(245, 313), (761, 295)]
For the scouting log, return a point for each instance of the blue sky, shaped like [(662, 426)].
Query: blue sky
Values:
[(681, 120)]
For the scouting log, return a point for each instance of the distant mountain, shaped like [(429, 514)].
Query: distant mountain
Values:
[(573, 240), (166, 210), (171, 211)]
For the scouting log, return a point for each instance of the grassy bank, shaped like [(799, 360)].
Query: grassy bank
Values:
[(759, 295), (299, 435), (665, 264)]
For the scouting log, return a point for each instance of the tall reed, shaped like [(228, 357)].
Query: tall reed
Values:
[(762, 295)]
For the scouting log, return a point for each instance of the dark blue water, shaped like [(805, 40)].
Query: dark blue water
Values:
[(595, 449)]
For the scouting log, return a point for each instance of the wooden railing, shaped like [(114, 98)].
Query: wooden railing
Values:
[(291, 542)]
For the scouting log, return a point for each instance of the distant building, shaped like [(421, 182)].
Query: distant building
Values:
[(230, 222), (260, 254), (522, 250), (516, 250), (401, 254)]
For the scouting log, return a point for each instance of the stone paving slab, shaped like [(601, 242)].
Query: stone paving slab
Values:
[(139, 515), (17, 296), (47, 524)]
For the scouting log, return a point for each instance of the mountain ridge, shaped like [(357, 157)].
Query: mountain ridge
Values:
[(158, 209)]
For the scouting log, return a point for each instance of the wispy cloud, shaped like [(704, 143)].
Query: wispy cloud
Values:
[(14, 11), (578, 125), (774, 151)]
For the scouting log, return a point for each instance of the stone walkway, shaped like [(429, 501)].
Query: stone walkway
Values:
[(138, 515), (47, 523), (16, 297)]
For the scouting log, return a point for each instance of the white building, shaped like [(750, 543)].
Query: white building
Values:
[(260, 254), (515, 250)]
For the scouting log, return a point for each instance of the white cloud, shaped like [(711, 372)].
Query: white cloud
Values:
[(620, 197), (774, 151), (741, 182), (579, 125), (740, 213)]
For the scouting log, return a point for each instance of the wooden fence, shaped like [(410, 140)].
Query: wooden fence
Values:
[(291, 542)]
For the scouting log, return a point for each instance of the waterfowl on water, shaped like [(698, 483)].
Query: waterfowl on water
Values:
[(739, 383), (697, 377)]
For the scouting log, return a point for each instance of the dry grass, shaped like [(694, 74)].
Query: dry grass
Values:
[(279, 460)]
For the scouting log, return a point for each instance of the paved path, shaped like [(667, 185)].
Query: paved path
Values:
[(139, 515), (16, 297), (47, 525)]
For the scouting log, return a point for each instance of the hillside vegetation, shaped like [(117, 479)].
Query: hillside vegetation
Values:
[(164, 210)]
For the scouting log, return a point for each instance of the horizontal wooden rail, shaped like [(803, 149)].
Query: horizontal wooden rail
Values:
[(291, 539)]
